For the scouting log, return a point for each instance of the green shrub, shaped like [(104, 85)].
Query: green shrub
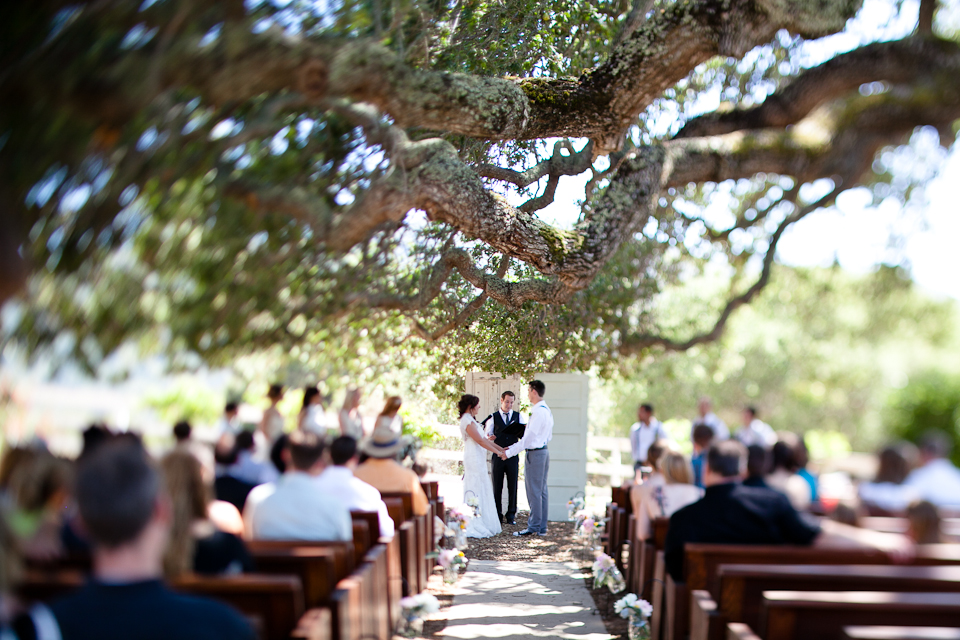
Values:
[(930, 401)]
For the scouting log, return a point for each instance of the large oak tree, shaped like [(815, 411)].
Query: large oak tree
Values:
[(227, 176)]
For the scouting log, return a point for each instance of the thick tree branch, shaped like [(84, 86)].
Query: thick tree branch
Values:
[(632, 344), (909, 61)]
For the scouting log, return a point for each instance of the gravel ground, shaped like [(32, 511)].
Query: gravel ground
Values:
[(559, 545)]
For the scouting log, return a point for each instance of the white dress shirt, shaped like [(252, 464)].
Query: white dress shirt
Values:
[(539, 430), (712, 420), (644, 435), (356, 494), (937, 481), (757, 432), (293, 508)]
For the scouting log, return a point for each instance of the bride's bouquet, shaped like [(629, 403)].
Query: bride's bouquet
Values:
[(605, 573), (474, 503)]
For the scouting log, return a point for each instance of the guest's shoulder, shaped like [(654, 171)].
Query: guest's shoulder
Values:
[(217, 619)]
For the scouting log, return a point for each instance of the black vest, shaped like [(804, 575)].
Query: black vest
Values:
[(506, 434)]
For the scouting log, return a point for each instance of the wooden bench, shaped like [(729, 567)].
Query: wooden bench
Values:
[(406, 534), (878, 632), (797, 615), (319, 565), (273, 604), (643, 554), (742, 586), (702, 562), (417, 582)]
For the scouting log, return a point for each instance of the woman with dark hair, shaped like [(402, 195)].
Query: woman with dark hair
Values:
[(784, 476), (313, 418), (476, 480), (888, 494)]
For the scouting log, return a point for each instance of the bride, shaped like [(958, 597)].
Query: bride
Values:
[(476, 480)]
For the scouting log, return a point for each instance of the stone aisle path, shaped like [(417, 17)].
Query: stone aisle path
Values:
[(511, 599)]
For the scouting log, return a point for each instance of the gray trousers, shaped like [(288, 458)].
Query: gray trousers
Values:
[(535, 482)]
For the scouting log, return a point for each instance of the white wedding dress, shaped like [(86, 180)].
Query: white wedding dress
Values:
[(477, 480)]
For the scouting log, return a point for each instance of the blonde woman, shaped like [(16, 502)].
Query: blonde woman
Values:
[(197, 543), (351, 422), (662, 500)]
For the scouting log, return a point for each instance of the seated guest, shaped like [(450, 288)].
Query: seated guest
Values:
[(734, 514), (784, 476), (292, 508), (651, 479), (243, 464), (924, 519), (887, 494), (196, 542), (702, 438), (338, 480), (755, 430), (936, 480), (758, 465), (183, 437), (127, 517), (803, 459), (39, 489), (662, 500), (382, 471)]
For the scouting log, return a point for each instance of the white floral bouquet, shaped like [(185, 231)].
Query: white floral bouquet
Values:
[(575, 504), (474, 503), (451, 558), (591, 526), (579, 517), (638, 612), (461, 515), (412, 610), (606, 574)]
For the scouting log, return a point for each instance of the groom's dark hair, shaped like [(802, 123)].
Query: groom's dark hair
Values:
[(538, 386), (507, 393)]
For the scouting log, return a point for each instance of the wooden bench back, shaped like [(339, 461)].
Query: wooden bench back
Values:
[(372, 518), (405, 498), (273, 604), (702, 561), (797, 615), (742, 586), (879, 632)]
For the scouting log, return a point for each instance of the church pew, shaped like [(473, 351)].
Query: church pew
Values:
[(392, 577), (419, 561), (376, 594), (315, 624), (742, 587), (273, 604), (406, 536), (656, 597), (642, 562), (880, 632), (319, 565), (363, 539), (702, 562), (949, 527), (797, 615)]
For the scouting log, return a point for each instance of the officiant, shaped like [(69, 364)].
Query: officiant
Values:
[(506, 429)]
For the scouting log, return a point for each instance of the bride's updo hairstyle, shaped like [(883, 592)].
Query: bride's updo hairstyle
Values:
[(467, 402)]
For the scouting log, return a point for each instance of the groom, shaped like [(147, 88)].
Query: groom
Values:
[(507, 429), (538, 433)]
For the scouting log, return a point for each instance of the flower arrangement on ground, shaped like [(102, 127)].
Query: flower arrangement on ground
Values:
[(638, 612), (606, 574), (459, 517), (579, 517), (574, 505), (412, 610), (453, 562)]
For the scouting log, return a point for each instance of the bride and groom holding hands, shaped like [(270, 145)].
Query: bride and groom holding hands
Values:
[(508, 438)]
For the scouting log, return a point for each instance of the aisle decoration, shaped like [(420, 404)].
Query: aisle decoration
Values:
[(575, 505), (638, 613), (473, 502), (606, 574), (590, 529), (453, 562), (459, 517), (412, 610)]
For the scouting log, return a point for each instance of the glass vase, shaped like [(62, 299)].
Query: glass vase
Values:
[(450, 574), (410, 626), (460, 539), (637, 627)]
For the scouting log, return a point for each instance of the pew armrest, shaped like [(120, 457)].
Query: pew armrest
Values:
[(740, 631), (706, 621)]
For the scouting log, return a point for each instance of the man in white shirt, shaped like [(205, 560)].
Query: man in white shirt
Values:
[(338, 480), (537, 434), (644, 432), (709, 418), (937, 481), (755, 430), (292, 508)]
